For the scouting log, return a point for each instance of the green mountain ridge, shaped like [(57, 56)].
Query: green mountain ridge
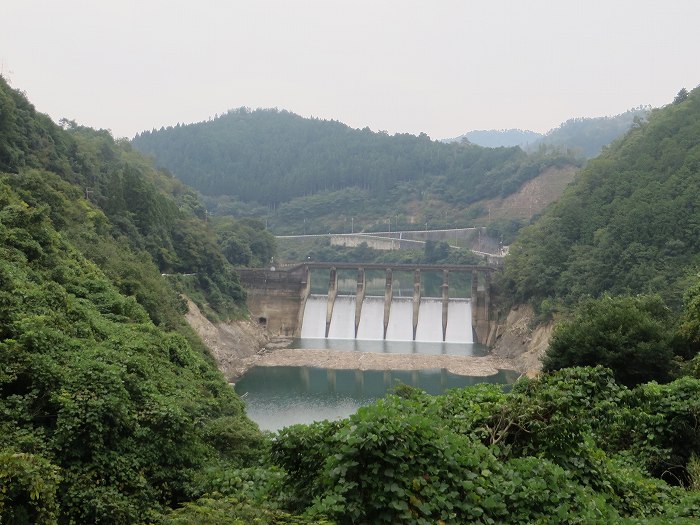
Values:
[(314, 175)]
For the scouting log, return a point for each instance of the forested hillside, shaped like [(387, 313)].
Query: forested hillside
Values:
[(309, 172), (109, 403), (630, 223), (104, 417), (140, 214)]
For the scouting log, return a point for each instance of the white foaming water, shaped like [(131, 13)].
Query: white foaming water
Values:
[(400, 328), (314, 324), (343, 319), (400, 320), (429, 327), (372, 319), (459, 321)]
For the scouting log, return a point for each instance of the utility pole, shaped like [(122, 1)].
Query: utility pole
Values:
[(88, 192)]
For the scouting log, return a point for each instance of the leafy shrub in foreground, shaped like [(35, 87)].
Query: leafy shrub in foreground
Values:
[(629, 335), (556, 449), (391, 464), (28, 488)]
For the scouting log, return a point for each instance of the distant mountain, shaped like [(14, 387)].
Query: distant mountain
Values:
[(499, 138), (588, 136), (584, 137)]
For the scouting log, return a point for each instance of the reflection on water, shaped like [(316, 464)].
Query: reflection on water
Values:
[(276, 397), (392, 347)]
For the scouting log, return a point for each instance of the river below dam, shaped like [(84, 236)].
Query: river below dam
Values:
[(317, 379)]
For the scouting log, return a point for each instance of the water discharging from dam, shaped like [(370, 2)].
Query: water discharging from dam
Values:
[(399, 325)]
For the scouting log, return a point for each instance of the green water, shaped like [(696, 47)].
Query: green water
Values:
[(276, 397)]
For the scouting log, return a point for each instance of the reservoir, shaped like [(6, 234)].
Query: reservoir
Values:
[(405, 327), (279, 396)]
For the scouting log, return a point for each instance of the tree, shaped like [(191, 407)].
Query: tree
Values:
[(681, 96), (629, 335), (436, 251), (236, 251)]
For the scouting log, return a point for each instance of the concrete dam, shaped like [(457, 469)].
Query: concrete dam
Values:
[(287, 302)]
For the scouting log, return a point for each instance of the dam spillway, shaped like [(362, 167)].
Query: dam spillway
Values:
[(399, 302), (403, 314), (429, 326), (370, 328)]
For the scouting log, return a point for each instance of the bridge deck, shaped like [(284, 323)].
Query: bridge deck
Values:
[(393, 266)]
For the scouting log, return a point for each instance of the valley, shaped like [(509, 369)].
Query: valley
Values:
[(171, 356)]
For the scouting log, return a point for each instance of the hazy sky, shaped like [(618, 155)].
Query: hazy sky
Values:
[(442, 67)]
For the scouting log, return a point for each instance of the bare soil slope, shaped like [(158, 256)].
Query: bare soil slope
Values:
[(533, 197), (521, 342), (230, 343)]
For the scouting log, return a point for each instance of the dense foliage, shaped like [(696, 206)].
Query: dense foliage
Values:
[(572, 447), (109, 404), (245, 242), (633, 336), (314, 169), (103, 415), (629, 223)]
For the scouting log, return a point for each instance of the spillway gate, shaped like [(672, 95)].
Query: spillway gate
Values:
[(278, 297)]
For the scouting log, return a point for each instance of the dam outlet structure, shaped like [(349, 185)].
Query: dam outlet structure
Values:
[(282, 301)]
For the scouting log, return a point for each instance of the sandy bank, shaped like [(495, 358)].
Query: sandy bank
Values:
[(461, 365)]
